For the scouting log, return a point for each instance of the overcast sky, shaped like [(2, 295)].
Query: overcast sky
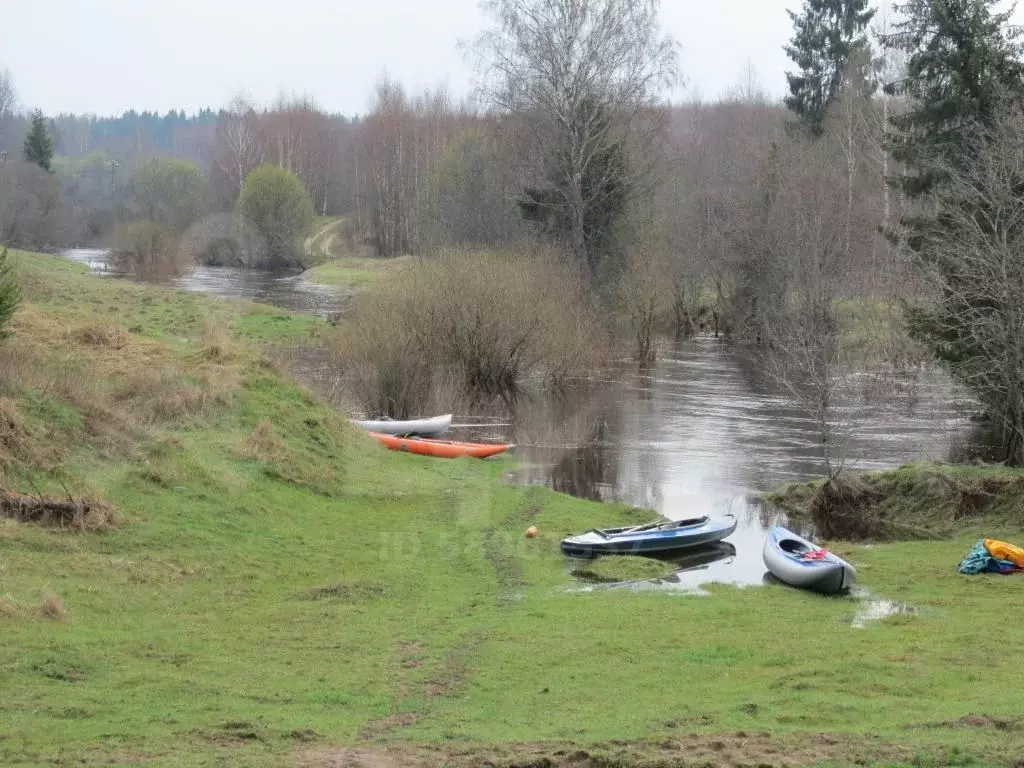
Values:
[(105, 56)]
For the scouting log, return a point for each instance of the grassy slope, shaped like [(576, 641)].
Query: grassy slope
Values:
[(274, 586)]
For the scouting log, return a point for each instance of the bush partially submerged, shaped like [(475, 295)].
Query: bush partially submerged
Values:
[(481, 323), (148, 251)]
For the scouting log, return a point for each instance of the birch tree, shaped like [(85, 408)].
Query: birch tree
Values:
[(8, 102), (585, 75), (240, 148)]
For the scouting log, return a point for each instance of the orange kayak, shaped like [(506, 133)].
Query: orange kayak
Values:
[(445, 449)]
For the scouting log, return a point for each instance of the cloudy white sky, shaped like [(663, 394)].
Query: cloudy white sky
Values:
[(105, 56)]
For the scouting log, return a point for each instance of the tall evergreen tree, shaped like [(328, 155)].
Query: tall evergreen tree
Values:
[(964, 61), (828, 38), (38, 144), (964, 75)]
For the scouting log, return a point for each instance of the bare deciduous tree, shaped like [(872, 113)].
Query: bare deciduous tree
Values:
[(8, 96), (239, 146), (643, 295), (404, 141), (801, 331), (31, 210), (584, 73), (8, 105)]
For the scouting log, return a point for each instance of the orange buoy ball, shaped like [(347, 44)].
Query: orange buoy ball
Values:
[(531, 531)]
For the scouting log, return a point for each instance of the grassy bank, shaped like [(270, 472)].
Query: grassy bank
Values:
[(280, 591), (927, 500), (355, 272)]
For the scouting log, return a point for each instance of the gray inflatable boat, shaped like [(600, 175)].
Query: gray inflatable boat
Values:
[(796, 561)]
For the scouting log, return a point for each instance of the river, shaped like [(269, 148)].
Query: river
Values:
[(286, 289), (699, 432)]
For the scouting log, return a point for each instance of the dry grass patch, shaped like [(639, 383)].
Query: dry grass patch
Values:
[(166, 394), (79, 514), (99, 335), (712, 750), (12, 609), (263, 444), (117, 380), (217, 346), (12, 423), (51, 607)]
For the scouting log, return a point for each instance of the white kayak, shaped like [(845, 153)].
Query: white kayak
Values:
[(795, 561), (438, 425)]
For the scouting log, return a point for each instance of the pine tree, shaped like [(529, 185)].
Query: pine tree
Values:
[(10, 294), (964, 75), (964, 59), (38, 144), (828, 38)]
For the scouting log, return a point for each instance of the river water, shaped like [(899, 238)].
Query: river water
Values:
[(699, 432), (702, 433), (285, 289)]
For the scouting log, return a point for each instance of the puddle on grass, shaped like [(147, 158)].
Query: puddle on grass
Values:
[(696, 569), (877, 608)]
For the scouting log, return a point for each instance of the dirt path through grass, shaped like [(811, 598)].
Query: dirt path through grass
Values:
[(318, 245)]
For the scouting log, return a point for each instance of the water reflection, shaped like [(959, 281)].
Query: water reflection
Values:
[(692, 569), (702, 428)]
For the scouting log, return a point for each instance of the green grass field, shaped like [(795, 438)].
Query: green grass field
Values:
[(281, 591), (355, 272)]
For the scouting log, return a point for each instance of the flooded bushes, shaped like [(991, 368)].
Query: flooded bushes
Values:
[(466, 325), (148, 250)]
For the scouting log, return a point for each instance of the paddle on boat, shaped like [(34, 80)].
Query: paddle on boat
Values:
[(798, 562), (444, 449), (650, 537)]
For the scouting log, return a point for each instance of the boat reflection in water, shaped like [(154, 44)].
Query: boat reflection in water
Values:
[(696, 559), (692, 566)]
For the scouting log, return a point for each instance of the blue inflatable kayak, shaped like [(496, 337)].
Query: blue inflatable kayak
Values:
[(652, 537)]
